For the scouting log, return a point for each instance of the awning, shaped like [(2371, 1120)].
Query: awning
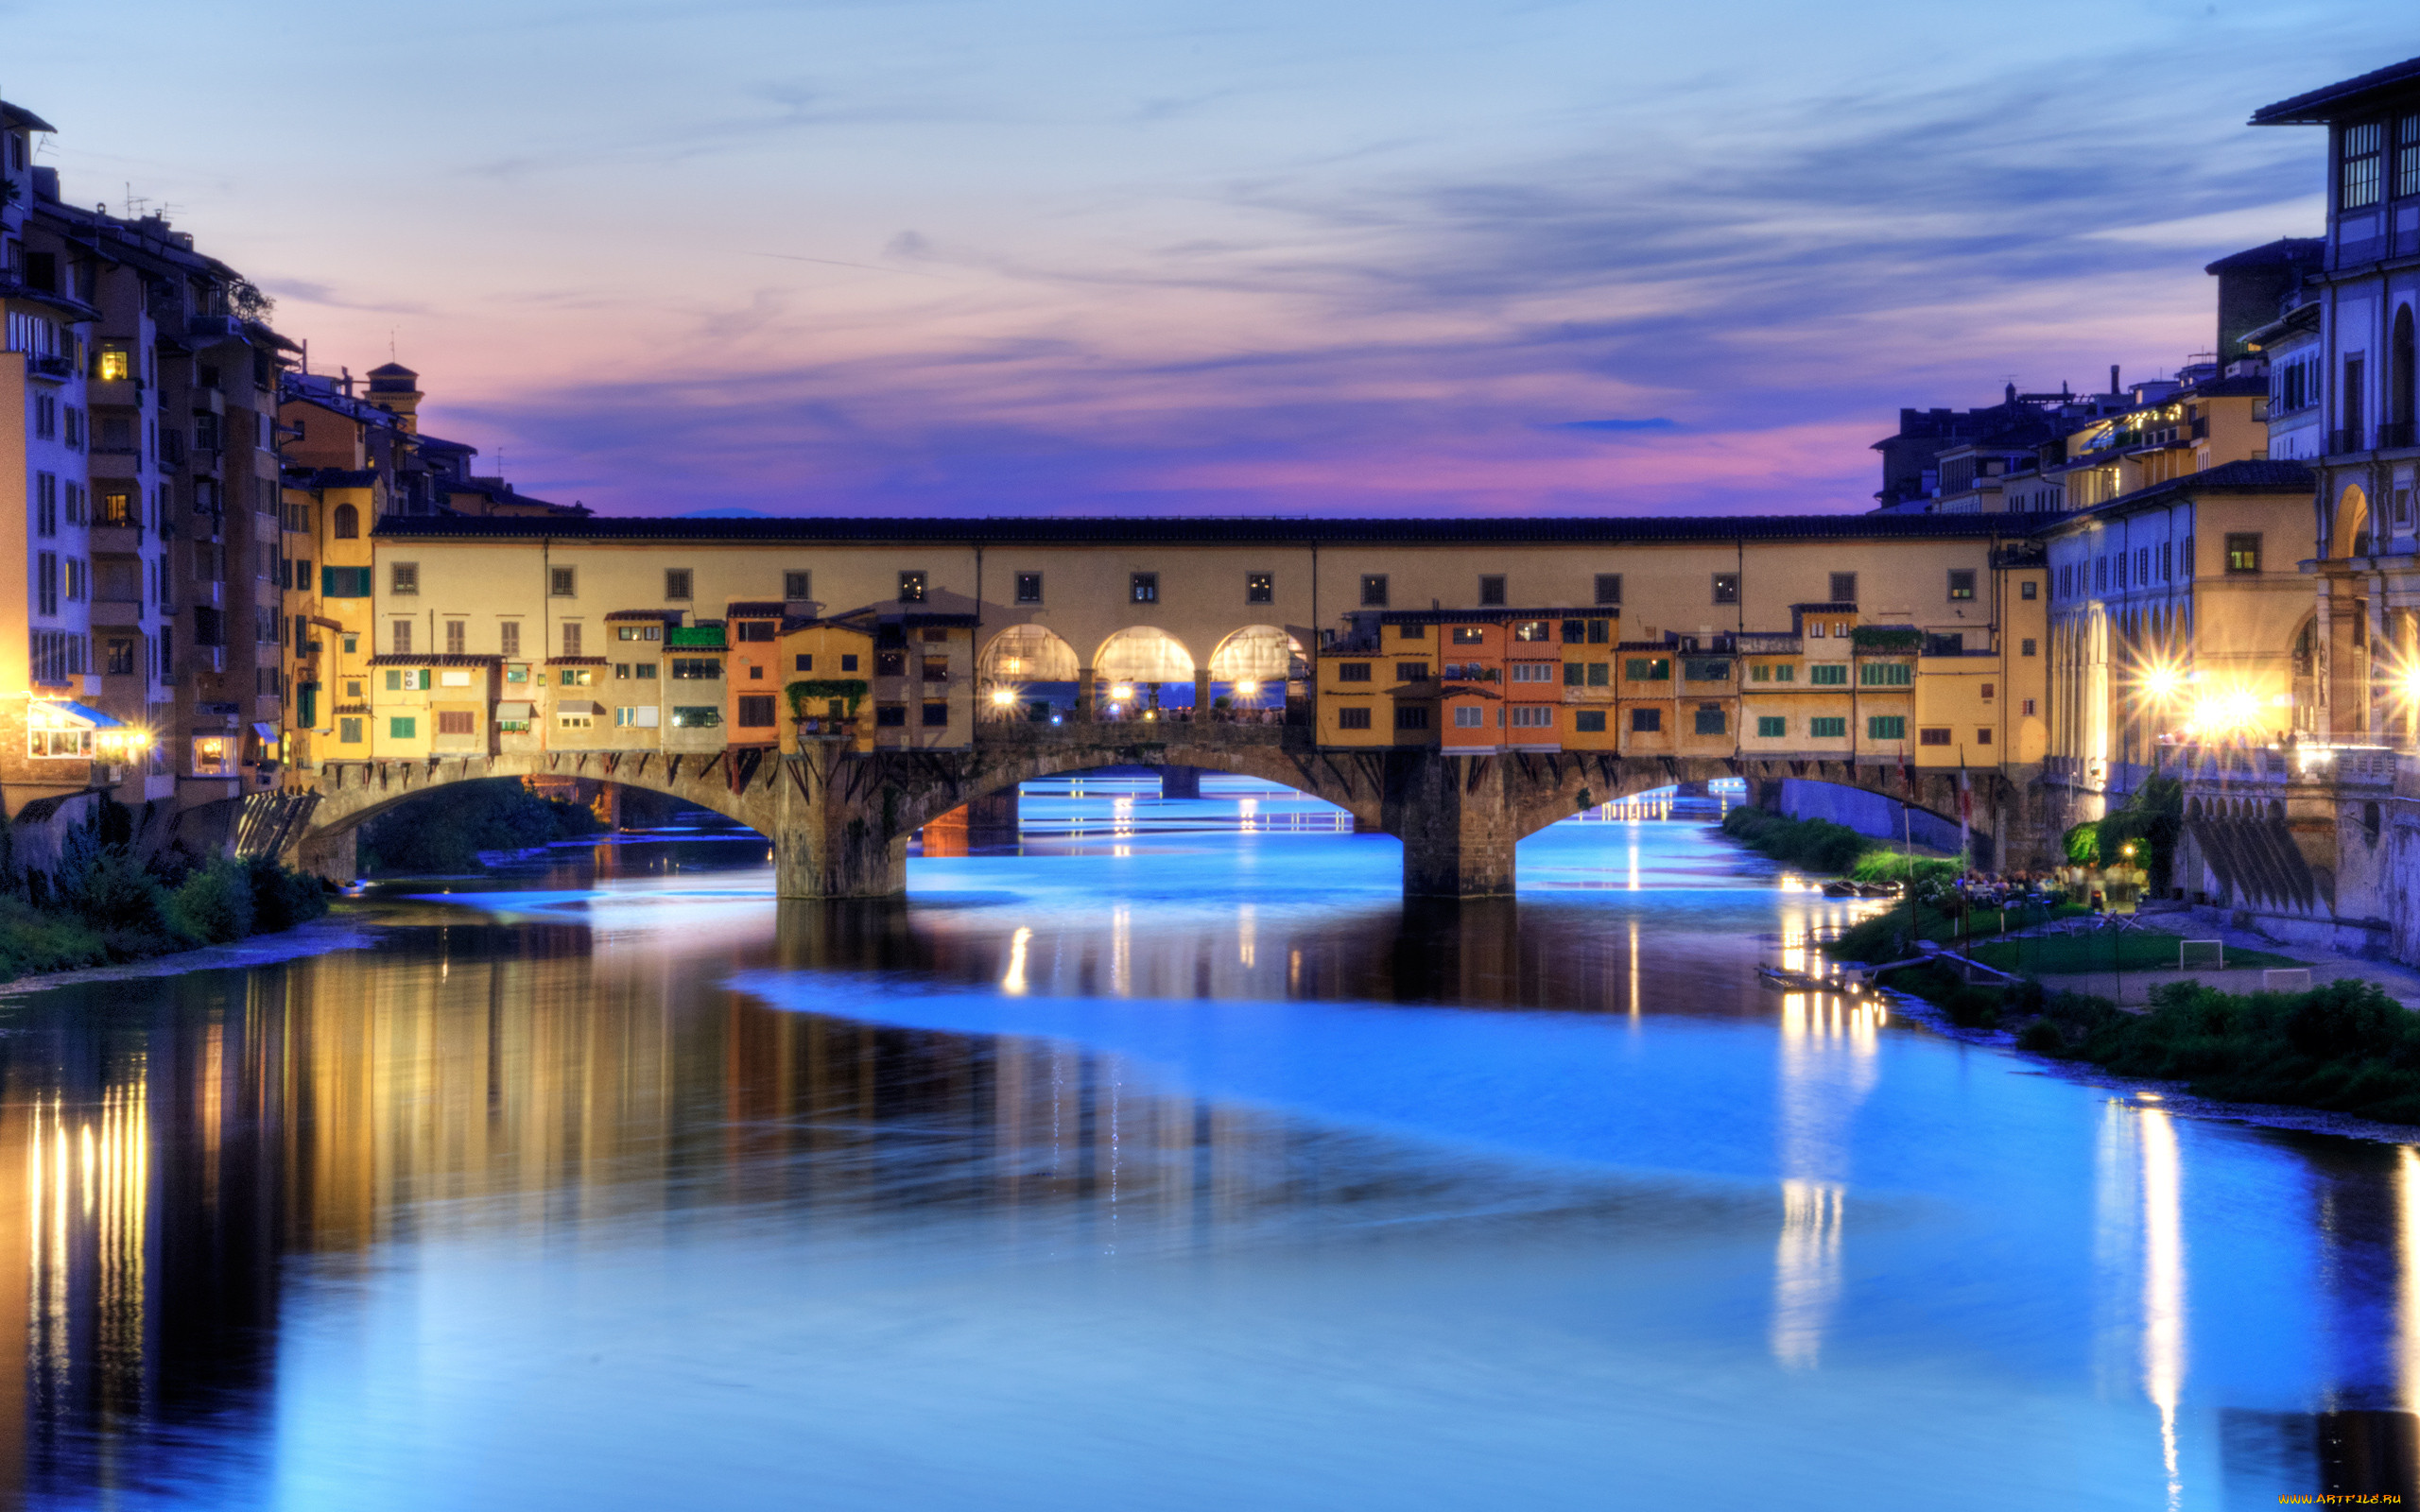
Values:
[(577, 705), (515, 711), (266, 733), (66, 714)]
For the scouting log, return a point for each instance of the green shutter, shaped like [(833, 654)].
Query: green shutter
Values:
[(402, 729)]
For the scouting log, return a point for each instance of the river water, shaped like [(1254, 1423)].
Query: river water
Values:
[(1168, 1163)]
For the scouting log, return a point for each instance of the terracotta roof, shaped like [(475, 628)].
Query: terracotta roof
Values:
[(2227, 477), (669, 616), (577, 661), (432, 658)]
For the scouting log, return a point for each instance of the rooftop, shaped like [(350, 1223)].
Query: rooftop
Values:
[(2337, 100), (1078, 529), (2227, 477)]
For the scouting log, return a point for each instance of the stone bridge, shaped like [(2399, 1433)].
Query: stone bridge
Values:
[(840, 820)]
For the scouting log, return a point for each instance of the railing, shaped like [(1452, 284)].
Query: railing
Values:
[(2342, 441), (2395, 434), (2368, 765)]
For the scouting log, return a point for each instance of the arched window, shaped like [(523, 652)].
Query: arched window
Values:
[(347, 523), (1143, 654)]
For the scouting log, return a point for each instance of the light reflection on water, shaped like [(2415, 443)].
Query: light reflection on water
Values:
[(1160, 1160)]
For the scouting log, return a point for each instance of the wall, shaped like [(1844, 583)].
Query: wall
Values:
[(1866, 813)]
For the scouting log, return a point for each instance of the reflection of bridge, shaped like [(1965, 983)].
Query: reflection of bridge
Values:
[(839, 823)]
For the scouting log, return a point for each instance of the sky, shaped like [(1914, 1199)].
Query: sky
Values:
[(1074, 257)]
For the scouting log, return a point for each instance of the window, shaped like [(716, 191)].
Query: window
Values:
[(403, 577), (643, 671), (1609, 588), (2142, 565), (1411, 672), (403, 726), (2029, 590), (46, 582), (760, 631), (1467, 716), (1531, 630), (1356, 717), (1373, 590), (701, 717), (581, 718), (1647, 669), (117, 656), (1982, 734), (2364, 149), (756, 712), (1261, 588), (457, 636), (1991, 691), (848, 661), (695, 668), (403, 638), (1491, 589), (1574, 674), (1646, 721), (1961, 584), (936, 715), (1029, 588), (806, 661), (571, 639), (1772, 727), (891, 716), (1843, 587), (1533, 716), (911, 590), (1932, 736), (677, 581), (1705, 669), (562, 583), (1353, 671), (349, 732), (891, 664), (570, 678), (1588, 721), (2167, 561), (1711, 721), (1886, 727), (1726, 588), (1411, 716), (1534, 671), (1143, 588), (509, 637), (797, 587), (1601, 674), (1469, 635), (639, 633), (1885, 675), (2243, 553), (456, 722), (2407, 157), (1815, 629), (45, 504), (1828, 728), (636, 716), (2029, 708)]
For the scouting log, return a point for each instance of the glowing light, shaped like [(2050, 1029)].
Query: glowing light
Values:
[(1246, 687), (1122, 692), (2226, 712), (1003, 697)]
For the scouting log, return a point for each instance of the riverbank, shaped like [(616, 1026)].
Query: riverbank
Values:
[(101, 906)]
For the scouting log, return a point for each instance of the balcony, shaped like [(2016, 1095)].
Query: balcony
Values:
[(115, 393), (56, 369), (2342, 441), (122, 539), (117, 614), (209, 328)]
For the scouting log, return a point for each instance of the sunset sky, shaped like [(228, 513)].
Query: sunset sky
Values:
[(1068, 256)]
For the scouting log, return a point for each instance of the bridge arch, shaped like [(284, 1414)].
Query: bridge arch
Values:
[(1028, 653), (1142, 653), (2352, 521), (1249, 662)]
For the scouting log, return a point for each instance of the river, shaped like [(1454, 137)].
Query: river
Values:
[(1170, 1163)]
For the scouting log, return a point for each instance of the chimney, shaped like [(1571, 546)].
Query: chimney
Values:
[(2113, 380)]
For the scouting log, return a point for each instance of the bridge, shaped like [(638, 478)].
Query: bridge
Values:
[(840, 819)]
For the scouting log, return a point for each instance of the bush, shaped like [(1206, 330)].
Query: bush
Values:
[(1817, 845), (445, 831), (112, 890), (283, 899), (214, 904)]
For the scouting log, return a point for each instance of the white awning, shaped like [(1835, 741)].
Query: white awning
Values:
[(514, 711)]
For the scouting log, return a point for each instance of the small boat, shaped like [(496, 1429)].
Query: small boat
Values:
[(1841, 888), (1803, 981)]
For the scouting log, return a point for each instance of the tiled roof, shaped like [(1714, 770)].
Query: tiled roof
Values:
[(433, 659), (576, 660), (2322, 104), (2287, 250), (1491, 616), (668, 616), (1080, 529), (2227, 477), (755, 608)]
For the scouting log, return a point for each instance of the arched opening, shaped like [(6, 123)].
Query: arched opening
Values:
[(345, 522), (1027, 673), (2399, 378), (1252, 666), (2351, 537), (1145, 668)]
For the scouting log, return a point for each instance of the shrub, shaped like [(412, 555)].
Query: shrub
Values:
[(112, 890), (214, 904), (283, 899)]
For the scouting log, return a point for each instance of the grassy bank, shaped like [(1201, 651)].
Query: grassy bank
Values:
[(443, 834), (102, 905), (1819, 844), (2347, 1047), (2106, 950)]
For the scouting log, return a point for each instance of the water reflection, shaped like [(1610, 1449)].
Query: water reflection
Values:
[(1133, 1179)]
